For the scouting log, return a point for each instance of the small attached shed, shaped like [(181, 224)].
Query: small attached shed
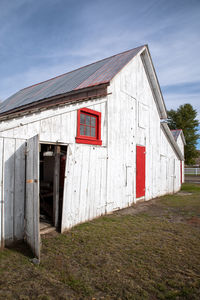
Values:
[(180, 140), (84, 144)]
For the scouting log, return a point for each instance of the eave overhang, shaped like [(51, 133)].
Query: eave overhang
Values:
[(183, 138), (76, 96), (172, 141), (153, 81)]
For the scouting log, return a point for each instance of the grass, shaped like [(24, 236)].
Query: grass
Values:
[(152, 254)]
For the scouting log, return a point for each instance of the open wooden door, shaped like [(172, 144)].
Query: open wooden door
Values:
[(32, 230)]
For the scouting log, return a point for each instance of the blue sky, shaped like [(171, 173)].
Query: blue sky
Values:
[(41, 39)]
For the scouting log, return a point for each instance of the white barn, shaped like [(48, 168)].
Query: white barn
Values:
[(84, 144), (180, 140)]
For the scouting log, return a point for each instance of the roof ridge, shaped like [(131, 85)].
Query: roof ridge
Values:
[(81, 67)]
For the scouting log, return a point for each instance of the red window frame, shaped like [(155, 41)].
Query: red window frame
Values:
[(83, 139)]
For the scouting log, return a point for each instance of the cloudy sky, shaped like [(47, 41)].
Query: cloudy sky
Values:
[(40, 39)]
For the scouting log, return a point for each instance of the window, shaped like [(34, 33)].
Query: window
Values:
[(88, 127)]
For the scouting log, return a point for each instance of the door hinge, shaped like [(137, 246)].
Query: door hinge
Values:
[(31, 181), (25, 151)]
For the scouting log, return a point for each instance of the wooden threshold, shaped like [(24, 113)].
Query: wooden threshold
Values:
[(46, 228)]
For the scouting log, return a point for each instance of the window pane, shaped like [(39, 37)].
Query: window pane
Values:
[(93, 131), (87, 120), (88, 125), (82, 119), (82, 130), (87, 130), (93, 121)]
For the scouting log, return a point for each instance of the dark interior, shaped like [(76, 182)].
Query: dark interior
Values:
[(52, 175)]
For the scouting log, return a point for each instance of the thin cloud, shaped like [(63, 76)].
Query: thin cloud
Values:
[(42, 39)]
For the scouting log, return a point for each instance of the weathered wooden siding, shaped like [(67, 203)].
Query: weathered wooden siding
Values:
[(101, 179), (1, 196), (85, 186), (32, 211), (12, 178), (53, 125), (132, 103)]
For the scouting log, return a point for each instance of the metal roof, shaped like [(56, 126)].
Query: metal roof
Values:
[(91, 75), (176, 133)]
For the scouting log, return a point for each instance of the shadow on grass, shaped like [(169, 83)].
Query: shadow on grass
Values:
[(22, 248)]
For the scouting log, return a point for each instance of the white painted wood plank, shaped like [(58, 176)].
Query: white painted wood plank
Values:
[(32, 129), (67, 214), (84, 178), (103, 201), (1, 195), (19, 189), (20, 122), (9, 182), (77, 183), (45, 129), (92, 183), (32, 196)]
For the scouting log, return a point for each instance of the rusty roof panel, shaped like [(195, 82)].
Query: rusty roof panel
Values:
[(59, 85), (109, 69), (91, 75)]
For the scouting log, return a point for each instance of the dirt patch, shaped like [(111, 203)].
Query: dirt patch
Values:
[(194, 221), (183, 193), (137, 208), (176, 208)]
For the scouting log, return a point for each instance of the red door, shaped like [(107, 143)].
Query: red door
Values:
[(181, 171), (140, 171)]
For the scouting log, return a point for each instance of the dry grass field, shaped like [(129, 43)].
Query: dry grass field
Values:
[(148, 251)]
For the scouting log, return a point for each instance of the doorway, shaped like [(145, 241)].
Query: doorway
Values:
[(52, 176), (140, 171)]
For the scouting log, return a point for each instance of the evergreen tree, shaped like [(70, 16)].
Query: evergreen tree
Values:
[(185, 118)]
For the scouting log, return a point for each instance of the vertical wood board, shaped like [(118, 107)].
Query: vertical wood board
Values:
[(32, 196), (19, 189), (1, 195), (9, 188)]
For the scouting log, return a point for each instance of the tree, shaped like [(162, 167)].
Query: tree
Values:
[(185, 118)]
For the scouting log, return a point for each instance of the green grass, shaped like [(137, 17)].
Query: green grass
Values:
[(186, 203), (189, 187), (154, 254)]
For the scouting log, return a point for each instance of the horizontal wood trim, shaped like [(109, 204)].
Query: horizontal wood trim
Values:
[(83, 140)]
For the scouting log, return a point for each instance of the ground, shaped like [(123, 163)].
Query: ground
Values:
[(148, 251)]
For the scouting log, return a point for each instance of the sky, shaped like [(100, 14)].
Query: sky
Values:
[(40, 39)]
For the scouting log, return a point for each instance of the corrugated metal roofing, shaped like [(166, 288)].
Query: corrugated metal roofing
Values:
[(91, 75), (176, 133)]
